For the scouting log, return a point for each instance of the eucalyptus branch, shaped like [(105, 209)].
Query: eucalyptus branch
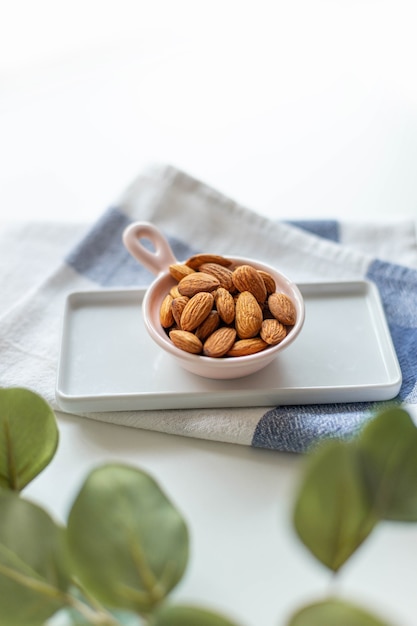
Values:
[(92, 600), (32, 583), (99, 615), (154, 590), (96, 616)]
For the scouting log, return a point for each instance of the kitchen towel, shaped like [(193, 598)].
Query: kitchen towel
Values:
[(195, 218)]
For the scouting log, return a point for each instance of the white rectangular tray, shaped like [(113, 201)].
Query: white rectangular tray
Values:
[(109, 363)]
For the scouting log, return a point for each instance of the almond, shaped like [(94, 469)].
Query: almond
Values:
[(248, 317), (219, 342), (186, 341), (223, 274), (196, 310), (174, 292), (272, 331), (177, 306), (196, 282), (195, 261), (179, 270), (165, 312), (269, 281), (225, 305), (210, 324), (282, 308), (247, 278), (244, 347)]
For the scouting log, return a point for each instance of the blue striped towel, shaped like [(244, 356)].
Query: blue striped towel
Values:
[(196, 218)]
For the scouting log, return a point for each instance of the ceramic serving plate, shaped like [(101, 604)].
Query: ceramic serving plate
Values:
[(108, 362)]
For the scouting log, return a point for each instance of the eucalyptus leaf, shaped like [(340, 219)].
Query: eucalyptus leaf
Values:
[(128, 542), (334, 612), (188, 616), (332, 513), (29, 437), (33, 564), (72, 617), (388, 452)]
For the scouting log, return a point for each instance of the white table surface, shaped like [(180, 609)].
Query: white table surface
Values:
[(297, 110)]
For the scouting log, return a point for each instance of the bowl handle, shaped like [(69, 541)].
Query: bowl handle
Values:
[(157, 260)]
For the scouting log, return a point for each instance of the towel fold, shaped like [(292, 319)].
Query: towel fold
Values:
[(197, 218)]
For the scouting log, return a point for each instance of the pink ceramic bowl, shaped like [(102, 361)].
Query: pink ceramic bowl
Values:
[(158, 261)]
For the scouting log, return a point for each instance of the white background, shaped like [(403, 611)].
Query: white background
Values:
[(293, 108), (301, 109)]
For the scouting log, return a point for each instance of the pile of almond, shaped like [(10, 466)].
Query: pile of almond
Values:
[(221, 309)]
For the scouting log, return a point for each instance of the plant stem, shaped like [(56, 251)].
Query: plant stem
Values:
[(92, 601), (96, 616), (155, 592)]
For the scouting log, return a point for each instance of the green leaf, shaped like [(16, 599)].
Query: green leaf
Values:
[(33, 565), (128, 542), (188, 616), (332, 514), (28, 437), (388, 452), (121, 618), (334, 612)]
